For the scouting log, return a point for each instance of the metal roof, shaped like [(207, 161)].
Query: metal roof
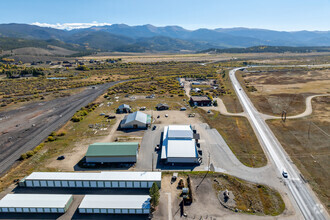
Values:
[(96, 176), (180, 144), (181, 148), (199, 98), (34, 201), (124, 106), (116, 202), (137, 116), (112, 149), (180, 131)]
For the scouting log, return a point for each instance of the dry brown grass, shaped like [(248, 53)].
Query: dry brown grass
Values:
[(307, 141), (239, 136)]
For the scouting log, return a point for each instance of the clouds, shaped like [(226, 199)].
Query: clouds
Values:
[(70, 26)]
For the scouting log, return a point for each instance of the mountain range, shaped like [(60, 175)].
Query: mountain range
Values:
[(149, 38)]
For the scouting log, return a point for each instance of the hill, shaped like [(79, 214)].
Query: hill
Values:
[(142, 38), (268, 49)]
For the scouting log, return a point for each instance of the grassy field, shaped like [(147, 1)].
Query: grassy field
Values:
[(307, 141), (283, 88), (239, 136)]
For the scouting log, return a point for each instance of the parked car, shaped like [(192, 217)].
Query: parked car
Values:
[(183, 109), (61, 157), (158, 116), (166, 115), (209, 111), (157, 147), (154, 127)]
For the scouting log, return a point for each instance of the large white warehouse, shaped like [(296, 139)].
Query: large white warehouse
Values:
[(35, 203), (179, 145), (115, 204), (92, 180)]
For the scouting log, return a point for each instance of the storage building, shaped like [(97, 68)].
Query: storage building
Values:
[(200, 101), (115, 152), (124, 108), (136, 120), (115, 204), (35, 203), (92, 180), (162, 106), (179, 145)]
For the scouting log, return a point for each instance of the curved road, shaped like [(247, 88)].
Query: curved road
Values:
[(308, 203)]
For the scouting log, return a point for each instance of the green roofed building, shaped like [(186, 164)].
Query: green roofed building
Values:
[(115, 152)]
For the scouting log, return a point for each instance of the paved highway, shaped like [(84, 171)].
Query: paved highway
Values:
[(57, 114), (303, 195)]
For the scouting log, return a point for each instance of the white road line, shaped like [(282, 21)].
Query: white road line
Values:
[(169, 206), (303, 197)]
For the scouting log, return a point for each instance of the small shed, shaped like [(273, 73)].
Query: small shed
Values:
[(124, 108), (136, 120), (162, 106), (114, 152)]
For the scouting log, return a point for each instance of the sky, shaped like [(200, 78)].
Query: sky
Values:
[(283, 15)]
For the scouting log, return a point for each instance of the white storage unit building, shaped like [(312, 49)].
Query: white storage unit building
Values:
[(35, 203), (115, 204), (92, 180), (179, 145)]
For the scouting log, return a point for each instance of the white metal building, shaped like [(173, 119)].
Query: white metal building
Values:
[(135, 120), (179, 145), (35, 203), (92, 180), (115, 204)]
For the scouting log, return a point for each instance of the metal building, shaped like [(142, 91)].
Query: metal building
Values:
[(115, 204), (179, 145), (115, 152), (136, 120), (92, 180), (35, 203)]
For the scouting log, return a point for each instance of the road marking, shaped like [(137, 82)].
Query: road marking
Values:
[(169, 206)]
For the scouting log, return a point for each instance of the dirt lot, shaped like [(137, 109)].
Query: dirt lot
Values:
[(284, 89), (307, 141), (239, 136), (249, 198)]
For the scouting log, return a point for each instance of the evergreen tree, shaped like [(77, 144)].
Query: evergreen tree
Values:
[(154, 194)]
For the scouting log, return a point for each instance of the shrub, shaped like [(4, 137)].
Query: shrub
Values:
[(29, 153), (62, 134), (51, 138), (23, 156)]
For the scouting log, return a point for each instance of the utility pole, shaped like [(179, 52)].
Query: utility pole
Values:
[(208, 165), (152, 162), (309, 129)]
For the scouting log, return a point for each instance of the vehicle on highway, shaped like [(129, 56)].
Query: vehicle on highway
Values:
[(154, 127), (285, 174), (61, 157), (240, 89)]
